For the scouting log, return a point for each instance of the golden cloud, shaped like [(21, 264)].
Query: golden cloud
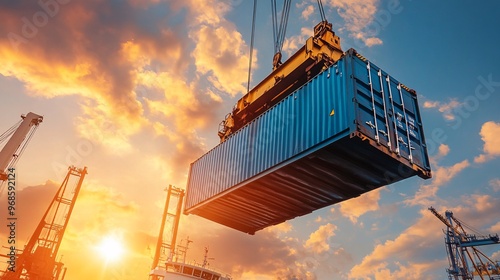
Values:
[(354, 208), (318, 240), (446, 108), (441, 176), (31, 204), (426, 232), (489, 134), (222, 54)]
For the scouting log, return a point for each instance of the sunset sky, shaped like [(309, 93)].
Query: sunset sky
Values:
[(135, 90)]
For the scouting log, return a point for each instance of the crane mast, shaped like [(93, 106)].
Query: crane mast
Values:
[(38, 259), (165, 247), (462, 251), (17, 142)]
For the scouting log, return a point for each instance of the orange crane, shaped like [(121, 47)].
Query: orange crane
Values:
[(462, 251), (165, 249), (20, 134), (38, 258)]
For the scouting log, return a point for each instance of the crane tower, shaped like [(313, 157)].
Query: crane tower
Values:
[(20, 134), (38, 259), (466, 261), (165, 247)]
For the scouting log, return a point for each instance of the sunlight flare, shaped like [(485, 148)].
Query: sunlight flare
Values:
[(111, 248)]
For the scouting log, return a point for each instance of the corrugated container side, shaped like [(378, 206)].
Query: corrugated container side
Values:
[(277, 135), (351, 129)]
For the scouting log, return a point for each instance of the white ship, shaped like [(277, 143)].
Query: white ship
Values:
[(184, 271)]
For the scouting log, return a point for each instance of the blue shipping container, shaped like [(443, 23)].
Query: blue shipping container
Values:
[(351, 129)]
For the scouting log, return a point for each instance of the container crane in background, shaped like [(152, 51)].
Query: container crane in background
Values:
[(165, 249), (20, 134), (462, 251), (169, 261), (38, 259)]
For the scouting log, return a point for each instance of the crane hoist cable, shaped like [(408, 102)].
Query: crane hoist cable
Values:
[(279, 31), (10, 131), (321, 10), (251, 44)]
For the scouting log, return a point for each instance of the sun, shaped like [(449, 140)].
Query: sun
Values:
[(111, 248)]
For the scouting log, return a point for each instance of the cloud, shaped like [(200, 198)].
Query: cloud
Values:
[(284, 227), (495, 228), (418, 252), (411, 255), (373, 41), (318, 240), (307, 12), (491, 148), (443, 150), (67, 57), (263, 255), (31, 204), (495, 185), (269, 254), (441, 176), (357, 16), (356, 207), (155, 68), (446, 108), (220, 51), (293, 43)]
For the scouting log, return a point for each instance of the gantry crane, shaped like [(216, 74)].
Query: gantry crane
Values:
[(20, 134), (169, 261), (462, 251), (165, 247), (38, 259)]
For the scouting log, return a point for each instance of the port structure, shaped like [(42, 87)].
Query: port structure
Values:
[(463, 253), (16, 139), (38, 259), (167, 237)]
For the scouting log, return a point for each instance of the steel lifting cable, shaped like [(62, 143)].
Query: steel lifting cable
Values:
[(23, 147), (275, 27), (10, 131), (251, 45), (321, 10), (471, 228), (279, 32), (283, 23)]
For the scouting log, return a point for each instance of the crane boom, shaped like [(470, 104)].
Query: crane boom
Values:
[(11, 150), (38, 258), (461, 250)]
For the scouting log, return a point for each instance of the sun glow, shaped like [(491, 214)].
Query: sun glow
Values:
[(111, 248)]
